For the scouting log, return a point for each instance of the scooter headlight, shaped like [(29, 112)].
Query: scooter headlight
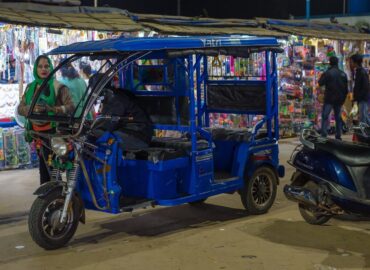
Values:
[(59, 146)]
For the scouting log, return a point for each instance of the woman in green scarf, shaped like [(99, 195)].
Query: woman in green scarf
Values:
[(55, 99)]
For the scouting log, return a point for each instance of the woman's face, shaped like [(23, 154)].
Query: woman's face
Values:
[(43, 68)]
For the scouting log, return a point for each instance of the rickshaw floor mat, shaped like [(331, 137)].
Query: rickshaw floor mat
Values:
[(127, 201), (223, 176), (178, 143), (154, 154)]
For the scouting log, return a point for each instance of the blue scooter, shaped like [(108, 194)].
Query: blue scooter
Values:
[(332, 178)]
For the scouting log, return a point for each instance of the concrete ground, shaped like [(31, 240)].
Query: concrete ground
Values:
[(218, 235)]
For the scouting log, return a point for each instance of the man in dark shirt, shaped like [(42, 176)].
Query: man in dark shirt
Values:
[(136, 132), (362, 88), (336, 89)]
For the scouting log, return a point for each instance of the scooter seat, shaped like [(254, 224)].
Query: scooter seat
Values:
[(351, 154)]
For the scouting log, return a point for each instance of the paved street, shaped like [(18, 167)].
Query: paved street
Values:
[(217, 235)]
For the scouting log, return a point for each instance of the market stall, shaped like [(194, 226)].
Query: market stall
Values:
[(28, 31), (32, 30), (306, 57), (19, 47)]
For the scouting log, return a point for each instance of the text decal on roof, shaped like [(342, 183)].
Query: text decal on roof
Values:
[(211, 42)]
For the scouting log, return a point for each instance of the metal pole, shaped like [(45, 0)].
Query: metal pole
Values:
[(268, 92), (344, 7), (95, 3), (308, 5), (178, 7)]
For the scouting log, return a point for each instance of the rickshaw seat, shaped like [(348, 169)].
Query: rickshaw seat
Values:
[(154, 154), (178, 143), (223, 134), (235, 134)]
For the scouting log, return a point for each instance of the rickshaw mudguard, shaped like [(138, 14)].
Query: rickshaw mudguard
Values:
[(47, 188), (256, 161)]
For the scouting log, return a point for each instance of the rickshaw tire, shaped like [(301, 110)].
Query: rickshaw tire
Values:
[(246, 192), (34, 221), (198, 202)]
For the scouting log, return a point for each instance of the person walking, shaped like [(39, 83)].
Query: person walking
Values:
[(361, 88), (76, 85), (336, 89)]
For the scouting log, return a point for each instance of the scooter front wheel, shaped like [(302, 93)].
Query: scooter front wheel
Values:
[(44, 221), (313, 217), (310, 214)]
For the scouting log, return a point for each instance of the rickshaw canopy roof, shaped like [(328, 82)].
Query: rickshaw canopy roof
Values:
[(163, 43)]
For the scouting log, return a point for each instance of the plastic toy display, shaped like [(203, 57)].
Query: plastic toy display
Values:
[(15, 152)]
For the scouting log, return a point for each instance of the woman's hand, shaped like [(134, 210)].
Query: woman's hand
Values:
[(39, 109), (56, 109)]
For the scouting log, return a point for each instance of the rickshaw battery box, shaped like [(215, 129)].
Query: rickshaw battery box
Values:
[(146, 179), (203, 173)]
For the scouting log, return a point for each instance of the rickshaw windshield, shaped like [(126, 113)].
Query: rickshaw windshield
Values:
[(63, 96)]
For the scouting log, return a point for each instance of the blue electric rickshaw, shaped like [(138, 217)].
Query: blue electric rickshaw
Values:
[(201, 162)]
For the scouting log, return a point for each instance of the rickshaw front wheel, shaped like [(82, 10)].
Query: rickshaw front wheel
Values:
[(259, 191), (43, 221)]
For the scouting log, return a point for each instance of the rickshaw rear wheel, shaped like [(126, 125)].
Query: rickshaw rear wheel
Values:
[(43, 221), (259, 191), (198, 202)]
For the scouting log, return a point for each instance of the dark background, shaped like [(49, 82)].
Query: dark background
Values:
[(227, 8)]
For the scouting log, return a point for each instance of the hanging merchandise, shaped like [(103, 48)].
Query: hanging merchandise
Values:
[(23, 148), (34, 158), (2, 153), (10, 148)]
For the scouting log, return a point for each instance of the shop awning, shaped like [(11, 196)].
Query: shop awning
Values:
[(203, 26), (86, 18), (315, 29), (113, 19)]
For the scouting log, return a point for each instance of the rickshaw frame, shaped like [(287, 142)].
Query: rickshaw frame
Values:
[(195, 51)]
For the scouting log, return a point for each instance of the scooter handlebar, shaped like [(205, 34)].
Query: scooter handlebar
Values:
[(309, 137), (362, 129)]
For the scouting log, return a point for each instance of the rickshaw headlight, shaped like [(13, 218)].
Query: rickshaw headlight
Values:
[(59, 146)]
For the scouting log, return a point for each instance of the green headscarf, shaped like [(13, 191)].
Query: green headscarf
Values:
[(50, 99)]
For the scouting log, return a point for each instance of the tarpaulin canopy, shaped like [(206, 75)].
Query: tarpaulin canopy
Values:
[(192, 21), (203, 26), (87, 18), (315, 29), (113, 19)]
